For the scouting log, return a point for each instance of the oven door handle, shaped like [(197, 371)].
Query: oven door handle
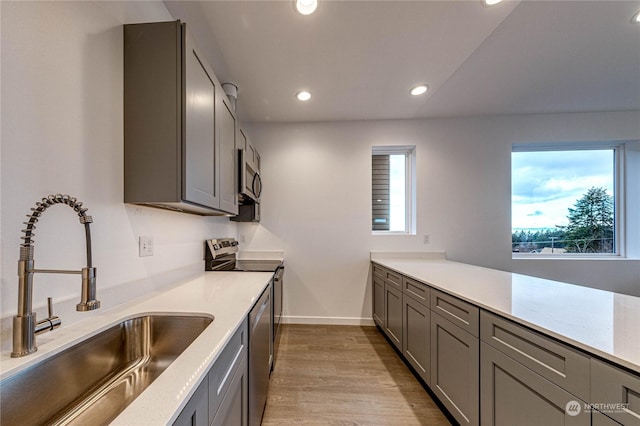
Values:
[(223, 264)]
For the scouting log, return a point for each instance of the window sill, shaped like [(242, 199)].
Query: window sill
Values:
[(613, 257), (392, 233)]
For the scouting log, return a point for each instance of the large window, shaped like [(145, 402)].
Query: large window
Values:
[(566, 202), (392, 192)]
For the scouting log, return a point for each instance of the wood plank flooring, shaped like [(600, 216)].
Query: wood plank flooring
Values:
[(344, 375)]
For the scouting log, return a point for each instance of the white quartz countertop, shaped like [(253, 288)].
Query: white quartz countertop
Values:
[(227, 296), (602, 323)]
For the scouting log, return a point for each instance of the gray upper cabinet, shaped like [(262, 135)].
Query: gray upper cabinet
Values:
[(198, 144), (179, 134), (228, 157)]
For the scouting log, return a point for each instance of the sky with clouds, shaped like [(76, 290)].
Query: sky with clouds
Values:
[(545, 184)]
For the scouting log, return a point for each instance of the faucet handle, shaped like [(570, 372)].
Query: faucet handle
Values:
[(50, 306), (49, 323)]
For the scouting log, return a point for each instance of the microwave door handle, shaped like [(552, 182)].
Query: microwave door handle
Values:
[(243, 169), (257, 192)]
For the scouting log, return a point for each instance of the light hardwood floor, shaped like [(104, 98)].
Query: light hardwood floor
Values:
[(344, 375)]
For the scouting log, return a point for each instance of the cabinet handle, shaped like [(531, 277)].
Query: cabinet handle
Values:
[(230, 370)]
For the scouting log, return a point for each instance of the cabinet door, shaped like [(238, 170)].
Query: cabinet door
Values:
[(196, 412), (416, 328), (260, 346), (199, 155), (558, 363), (599, 419), (241, 140), (393, 314), (234, 410), (616, 387), (256, 161), (251, 155), (223, 370), (455, 370), (228, 159), (514, 395), (378, 301), (419, 291), (461, 313)]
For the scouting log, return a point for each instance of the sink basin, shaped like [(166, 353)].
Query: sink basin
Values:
[(94, 380)]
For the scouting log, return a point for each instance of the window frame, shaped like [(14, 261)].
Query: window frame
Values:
[(619, 207), (409, 152)]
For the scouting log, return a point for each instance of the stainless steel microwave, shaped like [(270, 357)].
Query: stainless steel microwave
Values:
[(250, 182)]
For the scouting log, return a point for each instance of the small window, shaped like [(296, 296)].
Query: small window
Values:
[(392, 193), (565, 201)]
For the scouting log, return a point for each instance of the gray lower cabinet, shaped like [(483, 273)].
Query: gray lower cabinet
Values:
[(378, 279), (378, 301), (617, 391), (512, 394), (489, 370), (416, 329), (599, 419), (260, 355), (196, 412), (222, 397), (393, 314), (234, 410), (454, 369), (558, 363)]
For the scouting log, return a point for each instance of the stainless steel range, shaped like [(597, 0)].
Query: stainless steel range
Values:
[(264, 318), (220, 255)]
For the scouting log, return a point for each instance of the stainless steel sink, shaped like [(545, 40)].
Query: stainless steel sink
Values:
[(93, 381)]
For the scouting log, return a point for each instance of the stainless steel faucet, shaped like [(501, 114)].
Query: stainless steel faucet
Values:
[(25, 326)]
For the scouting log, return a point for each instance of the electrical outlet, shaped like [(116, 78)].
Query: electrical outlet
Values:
[(145, 246), (426, 239)]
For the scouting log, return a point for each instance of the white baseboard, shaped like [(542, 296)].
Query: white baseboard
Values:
[(327, 320)]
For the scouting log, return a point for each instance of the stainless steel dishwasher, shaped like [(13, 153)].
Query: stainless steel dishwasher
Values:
[(259, 356)]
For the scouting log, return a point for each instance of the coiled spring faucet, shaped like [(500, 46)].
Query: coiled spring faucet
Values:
[(25, 326)]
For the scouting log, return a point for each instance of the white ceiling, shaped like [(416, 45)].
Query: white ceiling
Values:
[(360, 58)]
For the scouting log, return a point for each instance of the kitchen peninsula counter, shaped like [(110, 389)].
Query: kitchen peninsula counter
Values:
[(602, 323)]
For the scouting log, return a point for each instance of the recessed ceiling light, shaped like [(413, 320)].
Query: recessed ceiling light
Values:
[(636, 18), (303, 95), (306, 7), (419, 90), (491, 2)]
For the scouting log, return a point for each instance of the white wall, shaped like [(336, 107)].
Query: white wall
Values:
[(62, 131), (316, 202)]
